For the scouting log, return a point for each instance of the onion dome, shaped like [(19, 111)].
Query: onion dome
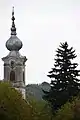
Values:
[(13, 43)]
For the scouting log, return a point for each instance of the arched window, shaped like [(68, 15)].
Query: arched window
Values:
[(12, 76)]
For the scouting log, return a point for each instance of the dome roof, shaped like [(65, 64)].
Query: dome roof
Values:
[(14, 43)]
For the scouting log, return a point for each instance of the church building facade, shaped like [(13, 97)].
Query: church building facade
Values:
[(14, 62)]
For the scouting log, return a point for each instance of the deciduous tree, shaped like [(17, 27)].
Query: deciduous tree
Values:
[(12, 105)]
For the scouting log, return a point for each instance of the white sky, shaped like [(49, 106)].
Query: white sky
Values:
[(41, 26)]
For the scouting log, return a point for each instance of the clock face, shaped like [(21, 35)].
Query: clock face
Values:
[(12, 64)]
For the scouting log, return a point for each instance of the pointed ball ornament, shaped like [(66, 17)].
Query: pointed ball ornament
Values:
[(13, 43)]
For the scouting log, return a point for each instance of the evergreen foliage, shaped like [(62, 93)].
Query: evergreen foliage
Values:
[(64, 77)]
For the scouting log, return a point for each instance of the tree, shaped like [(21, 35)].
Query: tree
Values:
[(12, 105), (69, 111), (64, 78), (41, 109)]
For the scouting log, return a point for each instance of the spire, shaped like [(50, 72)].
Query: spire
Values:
[(13, 43), (13, 28)]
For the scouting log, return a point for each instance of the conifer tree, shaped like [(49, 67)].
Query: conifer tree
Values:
[(64, 78)]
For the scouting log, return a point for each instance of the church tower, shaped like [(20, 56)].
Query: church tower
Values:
[(14, 62)]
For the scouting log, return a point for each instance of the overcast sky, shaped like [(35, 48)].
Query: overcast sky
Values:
[(41, 26)]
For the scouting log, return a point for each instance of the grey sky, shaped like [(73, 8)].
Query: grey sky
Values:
[(41, 25)]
